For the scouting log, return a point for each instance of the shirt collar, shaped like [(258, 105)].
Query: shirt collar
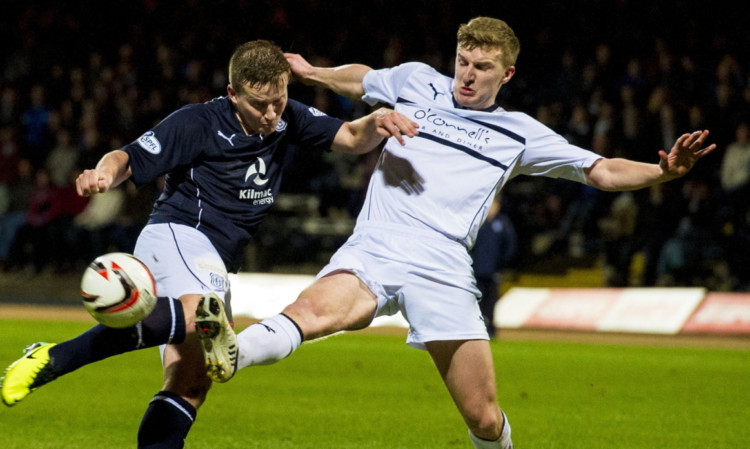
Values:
[(489, 109)]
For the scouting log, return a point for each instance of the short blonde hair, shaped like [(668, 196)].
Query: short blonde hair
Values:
[(487, 32), (258, 63)]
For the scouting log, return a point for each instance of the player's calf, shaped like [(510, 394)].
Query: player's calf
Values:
[(44, 362)]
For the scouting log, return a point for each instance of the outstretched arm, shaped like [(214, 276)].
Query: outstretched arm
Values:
[(345, 80), (113, 168), (364, 134), (622, 174)]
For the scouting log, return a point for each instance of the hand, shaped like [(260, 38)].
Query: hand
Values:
[(301, 69), (684, 154), (394, 124), (93, 181)]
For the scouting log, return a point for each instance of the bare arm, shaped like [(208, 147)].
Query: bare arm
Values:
[(345, 80), (364, 134), (113, 168), (622, 174)]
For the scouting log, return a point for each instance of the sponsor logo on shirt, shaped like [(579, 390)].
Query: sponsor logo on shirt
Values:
[(150, 143), (256, 174), (258, 197), (469, 136), (257, 171)]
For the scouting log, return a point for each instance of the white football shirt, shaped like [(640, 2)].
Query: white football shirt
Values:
[(444, 179)]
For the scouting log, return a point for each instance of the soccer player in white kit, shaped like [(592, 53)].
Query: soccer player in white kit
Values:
[(424, 205)]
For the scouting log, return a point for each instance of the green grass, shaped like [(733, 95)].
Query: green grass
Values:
[(365, 391)]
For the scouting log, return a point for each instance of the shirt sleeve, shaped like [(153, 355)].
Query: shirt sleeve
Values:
[(176, 141), (384, 85), (312, 127), (549, 154)]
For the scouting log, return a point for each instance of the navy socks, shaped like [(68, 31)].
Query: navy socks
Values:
[(166, 422), (166, 324)]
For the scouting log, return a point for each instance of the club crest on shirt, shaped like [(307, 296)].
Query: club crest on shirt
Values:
[(281, 126), (150, 143), (219, 282)]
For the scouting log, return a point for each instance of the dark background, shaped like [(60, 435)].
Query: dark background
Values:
[(623, 78)]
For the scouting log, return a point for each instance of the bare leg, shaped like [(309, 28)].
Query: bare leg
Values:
[(339, 301), (184, 368), (172, 411), (468, 371)]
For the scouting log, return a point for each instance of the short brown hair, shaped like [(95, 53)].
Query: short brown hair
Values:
[(258, 63), (484, 32)]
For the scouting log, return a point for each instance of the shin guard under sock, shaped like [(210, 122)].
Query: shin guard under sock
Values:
[(268, 341), (166, 324), (166, 423)]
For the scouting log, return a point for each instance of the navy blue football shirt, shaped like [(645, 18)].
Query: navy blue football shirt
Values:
[(218, 179)]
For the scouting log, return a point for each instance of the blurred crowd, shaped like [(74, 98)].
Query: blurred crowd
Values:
[(623, 78)]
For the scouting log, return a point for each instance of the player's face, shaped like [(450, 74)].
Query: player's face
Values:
[(479, 76), (259, 108)]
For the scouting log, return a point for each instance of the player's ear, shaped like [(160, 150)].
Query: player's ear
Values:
[(509, 72), (231, 92)]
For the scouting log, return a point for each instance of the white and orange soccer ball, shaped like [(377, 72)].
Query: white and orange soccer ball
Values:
[(118, 290)]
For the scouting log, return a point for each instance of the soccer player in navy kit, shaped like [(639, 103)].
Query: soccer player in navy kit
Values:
[(223, 163), (423, 208)]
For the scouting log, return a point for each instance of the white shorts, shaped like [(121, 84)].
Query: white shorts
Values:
[(182, 260), (428, 278)]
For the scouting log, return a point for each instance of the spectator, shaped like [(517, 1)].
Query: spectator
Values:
[(660, 211), (122, 81), (10, 155), (62, 160), (688, 257), (494, 251), (735, 166), (14, 215), (618, 233), (39, 241), (28, 245), (136, 208), (9, 107), (35, 119), (90, 232)]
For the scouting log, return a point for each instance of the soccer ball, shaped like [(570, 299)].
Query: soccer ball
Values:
[(118, 290)]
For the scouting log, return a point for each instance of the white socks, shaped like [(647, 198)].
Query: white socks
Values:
[(268, 342), (503, 442)]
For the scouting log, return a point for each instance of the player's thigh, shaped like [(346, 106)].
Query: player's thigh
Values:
[(182, 260), (469, 374), (338, 301)]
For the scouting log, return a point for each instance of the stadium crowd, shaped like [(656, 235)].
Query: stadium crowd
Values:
[(621, 78)]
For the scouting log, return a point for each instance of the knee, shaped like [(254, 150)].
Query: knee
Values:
[(485, 422), (309, 307), (313, 317)]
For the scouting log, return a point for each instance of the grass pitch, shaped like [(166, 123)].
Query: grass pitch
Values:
[(372, 391)]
